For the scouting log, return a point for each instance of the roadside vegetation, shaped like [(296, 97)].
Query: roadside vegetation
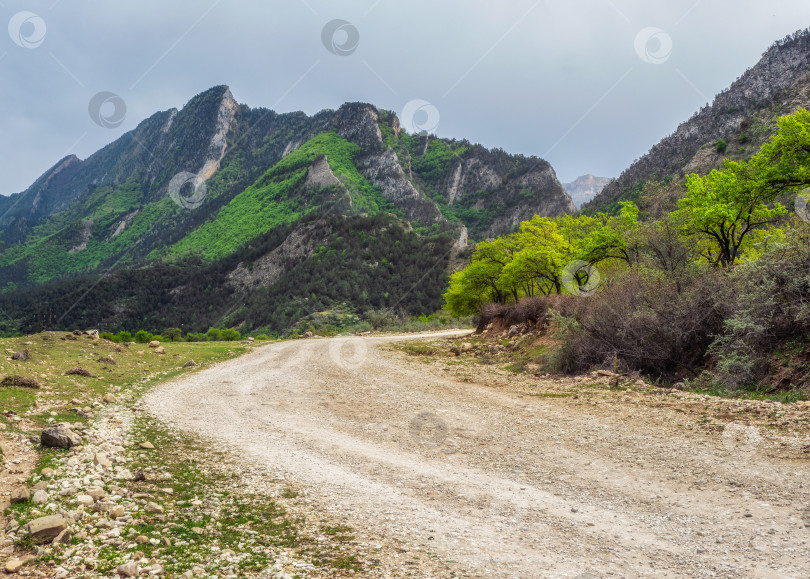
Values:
[(714, 294)]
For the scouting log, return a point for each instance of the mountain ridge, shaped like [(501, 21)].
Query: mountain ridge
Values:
[(783, 65)]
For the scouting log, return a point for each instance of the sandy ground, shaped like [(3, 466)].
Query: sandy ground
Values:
[(483, 478)]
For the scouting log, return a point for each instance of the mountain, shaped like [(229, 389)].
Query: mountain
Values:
[(584, 188), (734, 126), (258, 202)]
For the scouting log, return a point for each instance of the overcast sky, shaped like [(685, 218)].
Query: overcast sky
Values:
[(589, 85)]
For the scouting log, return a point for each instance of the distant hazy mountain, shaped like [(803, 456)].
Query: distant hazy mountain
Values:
[(585, 188), (219, 213)]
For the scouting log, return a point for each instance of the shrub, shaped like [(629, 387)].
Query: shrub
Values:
[(721, 146), (142, 337), (124, 336), (262, 337)]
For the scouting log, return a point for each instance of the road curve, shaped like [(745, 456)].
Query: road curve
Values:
[(487, 481)]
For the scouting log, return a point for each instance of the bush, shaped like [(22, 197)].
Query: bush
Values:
[(108, 336), (262, 337), (642, 321), (142, 337), (123, 336), (196, 337), (721, 146)]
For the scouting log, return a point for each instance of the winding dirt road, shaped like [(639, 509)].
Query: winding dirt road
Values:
[(473, 479)]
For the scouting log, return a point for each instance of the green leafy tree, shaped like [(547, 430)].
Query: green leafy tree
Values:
[(173, 334)]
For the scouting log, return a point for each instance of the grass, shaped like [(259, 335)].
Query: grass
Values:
[(211, 518), (52, 356)]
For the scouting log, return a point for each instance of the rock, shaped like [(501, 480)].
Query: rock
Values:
[(100, 459), (47, 472), (147, 445), (96, 492), (85, 500), (40, 497), (160, 350), (117, 512), (4, 505), (60, 437), (679, 386), (19, 496), (141, 539), (190, 364), (22, 355), (153, 508), (251, 340), (62, 538), (79, 371), (466, 347), (139, 475), (40, 486), (154, 344), (130, 569), (108, 398), (307, 334), (14, 565), (46, 528)]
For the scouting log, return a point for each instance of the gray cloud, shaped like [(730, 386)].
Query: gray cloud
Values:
[(555, 79)]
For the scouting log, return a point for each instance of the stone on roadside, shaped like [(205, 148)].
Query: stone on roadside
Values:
[(62, 538), (100, 459), (153, 508), (14, 565), (130, 569), (85, 500), (19, 496), (60, 437), (46, 528), (147, 445), (190, 364), (108, 398), (40, 497)]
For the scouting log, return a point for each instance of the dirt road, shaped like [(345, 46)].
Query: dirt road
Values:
[(466, 479)]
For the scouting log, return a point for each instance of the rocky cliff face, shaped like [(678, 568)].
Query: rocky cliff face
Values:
[(780, 68)]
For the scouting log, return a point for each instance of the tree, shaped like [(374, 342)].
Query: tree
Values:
[(173, 334), (724, 207)]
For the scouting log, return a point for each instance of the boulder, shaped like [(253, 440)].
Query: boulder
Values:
[(60, 437), (154, 344), (108, 398), (22, 355), (190, 364), (20, 496), (100, 459), (160, 350), (46, 528)]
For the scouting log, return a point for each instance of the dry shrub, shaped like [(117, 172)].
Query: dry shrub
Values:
[(21, 381), (79, 372), (644, 321)]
